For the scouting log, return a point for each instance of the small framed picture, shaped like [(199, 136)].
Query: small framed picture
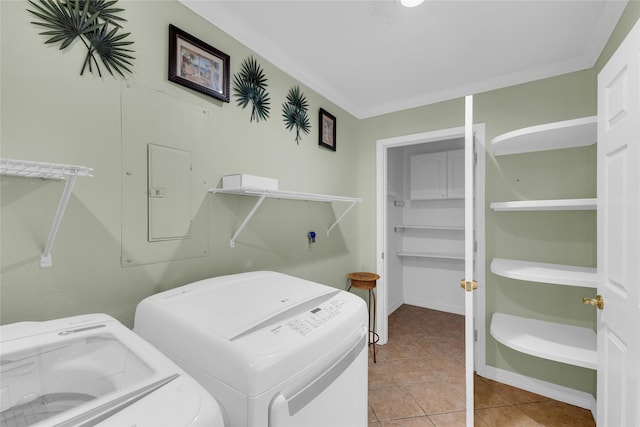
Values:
[(197, 65), (327, 137)]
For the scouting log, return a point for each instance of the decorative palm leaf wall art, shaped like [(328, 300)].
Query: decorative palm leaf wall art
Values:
[(250, 86), (294, 112), (66, 20)]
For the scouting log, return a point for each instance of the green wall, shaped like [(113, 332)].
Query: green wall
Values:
[(51, 113)]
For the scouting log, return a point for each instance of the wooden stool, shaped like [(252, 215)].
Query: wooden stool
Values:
[(367, 281)]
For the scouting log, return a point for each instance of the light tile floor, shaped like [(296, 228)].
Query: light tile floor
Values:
[(418, 381)]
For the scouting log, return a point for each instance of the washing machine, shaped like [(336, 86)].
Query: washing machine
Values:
[(273, 349), (91, 370)]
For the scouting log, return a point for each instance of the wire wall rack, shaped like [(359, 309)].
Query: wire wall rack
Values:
[(45, 170)]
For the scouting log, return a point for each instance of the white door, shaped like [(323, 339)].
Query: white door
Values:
[(619, 236), (468, 281)]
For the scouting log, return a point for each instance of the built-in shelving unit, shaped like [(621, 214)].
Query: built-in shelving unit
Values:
[(43, 170), (546, 205), (557, 274), (263, 194), (549, 340), (551, 136)]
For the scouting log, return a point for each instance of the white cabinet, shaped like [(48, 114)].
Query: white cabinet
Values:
[(428, 176), (437, 175), (553, 341)]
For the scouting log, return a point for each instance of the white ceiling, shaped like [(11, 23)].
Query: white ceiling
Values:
[(376, 57)]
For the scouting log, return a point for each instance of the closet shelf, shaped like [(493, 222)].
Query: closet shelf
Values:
[(546, 205), (550, 136), (280, 194), (431, 255), (556, 274), (30, 169), (573, 345), (399, 228)]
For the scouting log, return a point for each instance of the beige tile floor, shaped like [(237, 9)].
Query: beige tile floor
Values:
[(418, 381)]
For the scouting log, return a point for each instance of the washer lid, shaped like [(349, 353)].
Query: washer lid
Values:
[(81, 368), (231, 306)]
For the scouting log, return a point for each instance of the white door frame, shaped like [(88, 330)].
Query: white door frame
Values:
[(382, 147)]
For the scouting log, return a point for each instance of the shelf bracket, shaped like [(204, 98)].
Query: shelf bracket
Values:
[(232, 242), (341, 216), (45, 258)]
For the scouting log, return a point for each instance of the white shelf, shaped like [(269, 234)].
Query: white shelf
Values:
[(546, 205), (431, 255), (280, 194), (562, 343), (556, 274), (428, 228), (551, 136), (30, 169)]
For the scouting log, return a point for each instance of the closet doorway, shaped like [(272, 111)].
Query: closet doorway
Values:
[(420, 225)]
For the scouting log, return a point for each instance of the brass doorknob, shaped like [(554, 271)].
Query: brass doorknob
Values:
[(598, 301), (469, 286)]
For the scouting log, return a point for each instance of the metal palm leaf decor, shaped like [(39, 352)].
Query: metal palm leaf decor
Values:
[(294, 112), (89, 20), (250, 86)]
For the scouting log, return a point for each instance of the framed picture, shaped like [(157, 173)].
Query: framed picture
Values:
[(197, 65), (327, 137)]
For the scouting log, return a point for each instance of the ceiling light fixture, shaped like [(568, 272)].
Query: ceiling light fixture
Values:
[(411, 3)]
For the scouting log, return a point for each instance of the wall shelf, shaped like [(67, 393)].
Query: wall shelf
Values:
[(263, 194), (551, 136), (556, 274), (431, 255), (30, 169), (399, 228), (546, 205), (562, 343)]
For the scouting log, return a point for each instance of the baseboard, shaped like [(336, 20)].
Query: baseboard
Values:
[(543, 388), (394, 306)]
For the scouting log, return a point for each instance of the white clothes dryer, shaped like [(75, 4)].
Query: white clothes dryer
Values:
[(273, 349), (91, 370)]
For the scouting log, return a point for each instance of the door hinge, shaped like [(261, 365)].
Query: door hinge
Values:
[(475, 335)]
